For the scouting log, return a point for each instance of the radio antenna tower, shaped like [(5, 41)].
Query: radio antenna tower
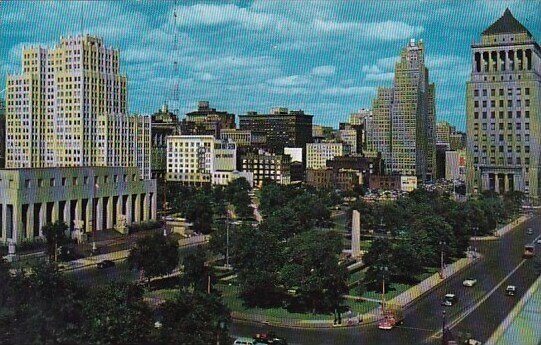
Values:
[(175, 89)]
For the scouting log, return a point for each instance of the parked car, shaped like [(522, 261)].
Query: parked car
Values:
[(529, 231), (105, 264), (469, 282), (449, 300), (539, 241), (510, 290), (244, 341)]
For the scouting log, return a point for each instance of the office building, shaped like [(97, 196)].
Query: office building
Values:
[(85, 198), (327, 178), (283, 128), (207, 121), (2, 133), (455, 165), (403, 117), (68, 108), (202, 159), (317, 154), (163, 124), (503, 111), (267, 167), (244, 138)]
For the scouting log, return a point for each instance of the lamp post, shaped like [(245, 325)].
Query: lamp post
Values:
[(443, 340), (383, 270), (442, 243), (475, 228)]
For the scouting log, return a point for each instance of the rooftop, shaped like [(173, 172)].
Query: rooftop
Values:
[(506, 24)]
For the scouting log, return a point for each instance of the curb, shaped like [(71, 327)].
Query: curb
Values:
[(307, 324), (502, 327)]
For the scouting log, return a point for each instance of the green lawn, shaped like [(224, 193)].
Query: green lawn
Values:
[(231, 299), (166, 294)]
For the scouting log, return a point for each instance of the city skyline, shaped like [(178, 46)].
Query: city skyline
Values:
[(244, 56)]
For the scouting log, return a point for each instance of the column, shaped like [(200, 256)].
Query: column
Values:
[(67, 213), (89, 226), (109, 213), (42, 217), (119, 212), (146, 207), (485, 182), (129, 216), (493, 61), (79, 209), (17, 223), (497, 183), (137, 208), (3, 222), (153, 206), (54, 216), (506, 182), (30, 221), (503, 60), (99, 214)]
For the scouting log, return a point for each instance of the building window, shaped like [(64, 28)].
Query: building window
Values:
[(40, 182), (509, 114), (63, 181), (527, 91), (501, 92), (476, 92), (125, 179), (74, 181), (26, 183), (527, 149), (501, 114), (85, 180), (484, 114), (476, 115), (51, 182)]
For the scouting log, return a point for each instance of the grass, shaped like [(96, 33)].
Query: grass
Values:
[(231, 299), (165, 294)]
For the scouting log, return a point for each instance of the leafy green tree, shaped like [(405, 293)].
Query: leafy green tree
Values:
[(272, 197), (155, 255), (313, 270), (40, 308), (199, 211), (196, 271), (193, 319), (116, 314), (237, 194), (258, 257), (55, 235)]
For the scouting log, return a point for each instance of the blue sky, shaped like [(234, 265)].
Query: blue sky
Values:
[(325, 57)]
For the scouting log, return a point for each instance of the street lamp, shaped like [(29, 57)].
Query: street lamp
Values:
[(383, 270), (442, 243), (475, 229), (443, 328)]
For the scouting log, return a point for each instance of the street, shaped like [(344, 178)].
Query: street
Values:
[(501, 264)]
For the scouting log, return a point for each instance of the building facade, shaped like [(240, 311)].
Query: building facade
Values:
[(317, 154), (328, 178), (282, 128), (267, 166), (207, 121), (404, 119), (2, 133), (503, 111), (68, 107), (163, 124), (455, 165), (85, 198), (244, 138)]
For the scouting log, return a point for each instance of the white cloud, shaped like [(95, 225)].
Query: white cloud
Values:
[(348, 91), (388, 30), (386, 76), (292, 80), (323, 71)]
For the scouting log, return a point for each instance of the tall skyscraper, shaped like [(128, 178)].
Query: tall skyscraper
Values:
[(503, 109), (404, 117), (163, 124), (2, 133), (207, 121), (68, 107)]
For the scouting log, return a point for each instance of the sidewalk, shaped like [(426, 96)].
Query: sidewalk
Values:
[(522, 325), (503, 230)]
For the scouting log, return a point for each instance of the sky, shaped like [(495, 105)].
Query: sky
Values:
[(325, 57)]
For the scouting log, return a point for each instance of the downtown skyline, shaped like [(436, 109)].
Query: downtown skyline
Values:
[(326, 59)]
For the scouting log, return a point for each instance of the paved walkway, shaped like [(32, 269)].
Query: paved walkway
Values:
[(523, 324)]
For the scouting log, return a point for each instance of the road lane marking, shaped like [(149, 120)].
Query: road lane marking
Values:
[(476, 305)]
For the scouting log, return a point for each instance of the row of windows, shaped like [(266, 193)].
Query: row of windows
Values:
[(518, 103), (518, 114), (518, 126), (75, 180), (518, 137), (518, 91), (518, 160)]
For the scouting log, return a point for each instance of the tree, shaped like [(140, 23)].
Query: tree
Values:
[(193, 318), (199, 212), (196, 271), (42, 307), (155, 255), (313, 270), (55, 235), (257, 255), (116, 314)]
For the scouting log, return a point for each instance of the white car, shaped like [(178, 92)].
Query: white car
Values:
[(469, 282), (539, 241)]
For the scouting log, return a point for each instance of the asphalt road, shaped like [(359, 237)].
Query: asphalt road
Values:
[(479, 310), (91, 276)]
